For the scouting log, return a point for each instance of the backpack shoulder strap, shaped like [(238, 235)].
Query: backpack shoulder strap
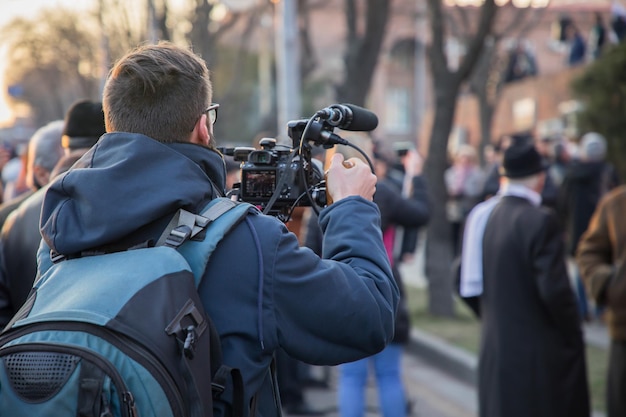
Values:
[(186, 225), (183, 233), (216, 220)]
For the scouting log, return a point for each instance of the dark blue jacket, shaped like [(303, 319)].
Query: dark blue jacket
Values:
[(321, 311)]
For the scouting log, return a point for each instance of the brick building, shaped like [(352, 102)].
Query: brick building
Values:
[(401, 92)]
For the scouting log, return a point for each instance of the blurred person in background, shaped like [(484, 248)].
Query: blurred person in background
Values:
[(44, 151), (532, 355), (14, 174), (545, 147), (586, 181), (464, 181), (577, 46), (598, 36), (395, 210), (521, 62), (492, 182), (601, 258), (618, 21), (561, 160), (84, 124), (20, 237), (405, 170), (7, 154)]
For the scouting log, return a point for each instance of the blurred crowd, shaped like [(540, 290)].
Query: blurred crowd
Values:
[(578, 176)]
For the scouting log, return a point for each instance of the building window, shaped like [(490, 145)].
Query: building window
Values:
[(397, 111)]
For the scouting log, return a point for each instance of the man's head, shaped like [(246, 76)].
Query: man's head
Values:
[(592, 147), (466, 156), (84, 124), (44, 151), (523, 164), (161, 91)]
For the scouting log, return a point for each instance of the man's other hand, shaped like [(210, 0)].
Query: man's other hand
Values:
[(348, 178)]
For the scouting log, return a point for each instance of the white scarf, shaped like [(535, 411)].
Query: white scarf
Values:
[(471, 284)]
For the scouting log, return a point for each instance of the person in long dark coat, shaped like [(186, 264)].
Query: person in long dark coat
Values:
[(532, 357)]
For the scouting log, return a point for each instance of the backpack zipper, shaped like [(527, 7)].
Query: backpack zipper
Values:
[(126, 399)]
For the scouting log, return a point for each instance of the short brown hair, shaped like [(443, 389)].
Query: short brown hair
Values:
[(157, 90)]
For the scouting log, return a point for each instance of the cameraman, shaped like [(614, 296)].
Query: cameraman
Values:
[(261, 289)]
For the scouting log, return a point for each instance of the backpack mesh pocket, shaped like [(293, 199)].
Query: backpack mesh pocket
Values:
[(38, 376)]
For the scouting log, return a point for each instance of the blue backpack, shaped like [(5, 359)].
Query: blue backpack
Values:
[(124, 333)]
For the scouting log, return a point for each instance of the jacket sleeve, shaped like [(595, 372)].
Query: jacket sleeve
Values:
[(594, 255), (340, 308)]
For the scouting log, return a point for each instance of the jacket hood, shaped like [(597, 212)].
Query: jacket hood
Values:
[(126, 181)]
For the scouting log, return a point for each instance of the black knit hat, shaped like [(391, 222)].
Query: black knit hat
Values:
[(84, 124), (521, 160)]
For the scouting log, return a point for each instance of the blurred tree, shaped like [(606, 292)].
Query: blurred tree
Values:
[(363, 45), (53, 57), (223, 37), (308, 59), (489, 75), (602, 90), (124, 24), (447, 80), (57, 57)]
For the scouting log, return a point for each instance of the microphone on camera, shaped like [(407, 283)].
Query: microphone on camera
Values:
[(349, 117)]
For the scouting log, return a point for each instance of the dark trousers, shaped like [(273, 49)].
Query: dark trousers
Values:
[(616, 384)]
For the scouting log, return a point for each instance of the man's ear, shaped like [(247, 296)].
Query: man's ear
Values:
[(200, 133)]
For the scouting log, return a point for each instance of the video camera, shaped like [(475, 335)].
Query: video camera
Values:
[(278, 178)]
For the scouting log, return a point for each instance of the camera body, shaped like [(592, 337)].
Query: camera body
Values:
[(275, 179)]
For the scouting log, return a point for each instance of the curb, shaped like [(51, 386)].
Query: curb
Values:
[(451, 359), (463, 365)]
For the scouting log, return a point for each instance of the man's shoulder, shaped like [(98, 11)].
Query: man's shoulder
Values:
[(266, 229), (613, 203), (521, 208)]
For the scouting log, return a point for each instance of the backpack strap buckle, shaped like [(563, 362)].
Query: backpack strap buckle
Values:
[(177, 236), (183, 226), (56, 256), (189, 346), (188, 333)]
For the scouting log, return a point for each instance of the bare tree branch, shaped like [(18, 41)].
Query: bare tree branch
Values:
[(487, 16), (436, 49), (362, 50), (308, 59)]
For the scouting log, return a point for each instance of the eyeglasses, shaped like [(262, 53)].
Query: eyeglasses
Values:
[(211, 112)]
